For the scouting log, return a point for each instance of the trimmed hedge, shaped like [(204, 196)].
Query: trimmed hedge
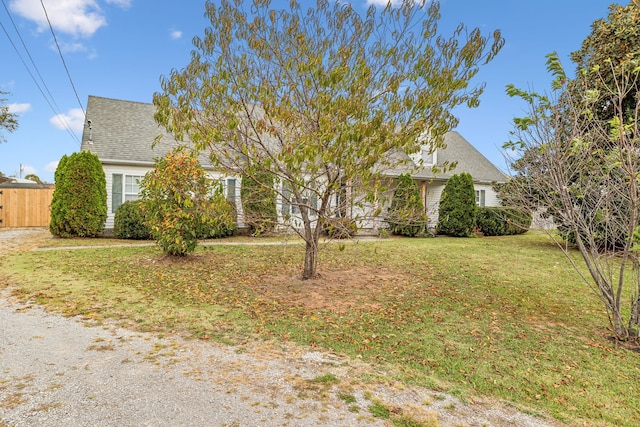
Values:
[(457, 210), (219, 221), (129, 222), (79, 203), (340, 228), (259, 203), (406, 214), (502, 221)]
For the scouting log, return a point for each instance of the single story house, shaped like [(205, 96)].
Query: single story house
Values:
[(121, 134)]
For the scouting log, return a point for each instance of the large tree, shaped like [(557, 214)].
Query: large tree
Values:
[(8, 120), (318, 97), (616, 41), (604, 76), (581, 164)]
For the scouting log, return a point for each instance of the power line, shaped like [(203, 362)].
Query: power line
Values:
[(62, 57), (49, 99), (58, 114)]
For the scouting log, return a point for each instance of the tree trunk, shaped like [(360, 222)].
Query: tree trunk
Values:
[(310, 259)]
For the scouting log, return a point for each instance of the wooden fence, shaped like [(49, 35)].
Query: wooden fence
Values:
[(25, 205)]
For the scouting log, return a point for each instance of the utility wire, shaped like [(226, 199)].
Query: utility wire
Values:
[(55, 108), (64, 123), (62, 57)]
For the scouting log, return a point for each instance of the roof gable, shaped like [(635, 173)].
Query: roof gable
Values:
[(457, 149), (123, 132)]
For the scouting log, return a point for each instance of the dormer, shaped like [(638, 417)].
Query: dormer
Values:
[(427, 156), (424, 157)]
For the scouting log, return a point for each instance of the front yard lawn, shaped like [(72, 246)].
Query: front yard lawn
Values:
[(503, 317)]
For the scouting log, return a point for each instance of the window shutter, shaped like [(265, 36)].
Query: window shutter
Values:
[(231, 190), (116, 191), (286, 195), (314, 198)]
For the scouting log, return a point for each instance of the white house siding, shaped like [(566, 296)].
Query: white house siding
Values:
[(109, 171), (432, 202), (490, 195), (124, 170)]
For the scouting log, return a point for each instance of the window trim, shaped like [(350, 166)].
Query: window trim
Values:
[(480, 198), (119, 193)]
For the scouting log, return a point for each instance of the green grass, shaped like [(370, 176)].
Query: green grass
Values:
[(379, 410), (501, 317), (327, 379)]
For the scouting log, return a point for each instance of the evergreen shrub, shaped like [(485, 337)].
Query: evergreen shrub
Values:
[(502, 221), (79, 203), (259, 202), (340, 228), (406, 214), (219, 219), (457, 210), (129, 222)]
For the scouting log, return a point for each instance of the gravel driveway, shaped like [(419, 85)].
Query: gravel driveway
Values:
[(57, 371)]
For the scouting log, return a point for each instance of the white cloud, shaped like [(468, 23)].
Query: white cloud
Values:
[(73, 47), (27, 170), (74, 119), (79, 18), (51, 167), (8, 85), (124, 4), (175, 34), (19, 108), (75, 17)]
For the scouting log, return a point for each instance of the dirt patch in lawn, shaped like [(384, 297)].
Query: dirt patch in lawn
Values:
[(338, 291)]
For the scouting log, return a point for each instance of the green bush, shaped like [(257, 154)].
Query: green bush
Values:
[(176, 202), (406, 214), (79, 203), (457, 210), (219, 220), (259, 202), (340, 228), (502, 221), (129, 222)]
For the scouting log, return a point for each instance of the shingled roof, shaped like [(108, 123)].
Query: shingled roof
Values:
[(123, 132), (459, 150)]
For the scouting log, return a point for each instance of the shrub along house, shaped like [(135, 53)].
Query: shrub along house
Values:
[(121, 133), (426, 169)]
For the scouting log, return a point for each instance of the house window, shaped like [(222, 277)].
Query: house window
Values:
[(124, 188), (231, 190), (424, 157), (427, 157), (290, 205), (131, 187), (480, 197)]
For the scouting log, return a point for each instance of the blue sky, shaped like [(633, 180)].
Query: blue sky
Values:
[(120, 48)]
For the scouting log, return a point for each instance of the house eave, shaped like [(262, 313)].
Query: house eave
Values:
[(139, 163), (120, 162)]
